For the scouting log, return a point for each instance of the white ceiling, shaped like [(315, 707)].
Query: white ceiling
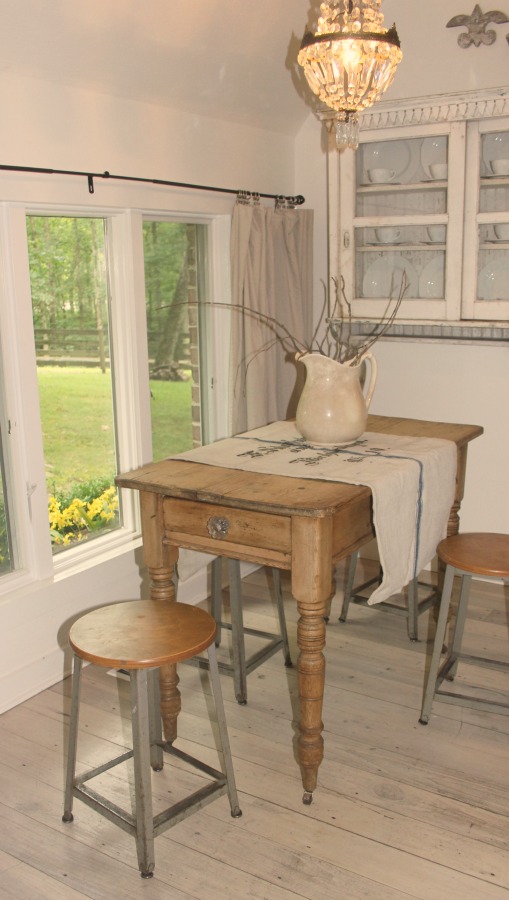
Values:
[(228, 59)]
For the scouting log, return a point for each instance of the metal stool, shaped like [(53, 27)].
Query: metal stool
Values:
[(412, 611), (240, 667), (140, 637), (464, 555)]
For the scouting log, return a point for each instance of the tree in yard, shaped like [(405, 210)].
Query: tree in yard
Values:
[(170, 254)]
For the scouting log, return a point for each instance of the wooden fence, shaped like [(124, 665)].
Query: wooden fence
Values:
[(86, 347)]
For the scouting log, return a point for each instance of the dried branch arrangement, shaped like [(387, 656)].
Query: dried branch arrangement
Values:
[(337, 343)]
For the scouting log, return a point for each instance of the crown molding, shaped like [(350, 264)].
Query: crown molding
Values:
[(429, 110)]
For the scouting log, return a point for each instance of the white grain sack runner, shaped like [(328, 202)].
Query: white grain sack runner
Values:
[(412, 481)]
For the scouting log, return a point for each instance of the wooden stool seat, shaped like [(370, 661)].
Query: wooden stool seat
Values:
[(141, 637), (480, 553), (138, 635), (475, 553)]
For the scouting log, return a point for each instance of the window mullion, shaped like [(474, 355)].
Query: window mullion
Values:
[(23, 443), (129, 339), (218, 413)]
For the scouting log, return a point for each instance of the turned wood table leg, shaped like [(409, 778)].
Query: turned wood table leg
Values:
[(162, 590), (160, 560), (311, 588), (454, 517)]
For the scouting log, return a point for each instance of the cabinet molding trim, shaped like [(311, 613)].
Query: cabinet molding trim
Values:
[(430, 110), (451, 331)]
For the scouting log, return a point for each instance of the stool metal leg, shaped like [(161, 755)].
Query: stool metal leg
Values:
[(431, 683), (352, 565), (216, 591), (276, 577), (73, 739), (238, 643), (144, 833), (223, 732), (459, 627), (242, 665), (155, 724), (413, 609)]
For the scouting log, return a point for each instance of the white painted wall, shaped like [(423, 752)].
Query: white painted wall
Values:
[(469, 384), (311, 180), (433, 62), (50, 125)]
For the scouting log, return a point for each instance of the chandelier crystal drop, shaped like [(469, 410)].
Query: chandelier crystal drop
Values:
[(350, 61)]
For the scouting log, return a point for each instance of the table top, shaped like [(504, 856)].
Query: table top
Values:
[(276, 493)]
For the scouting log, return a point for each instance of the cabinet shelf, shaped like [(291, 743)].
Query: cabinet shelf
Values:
[(494, 180), (404, 248), (382, 188)]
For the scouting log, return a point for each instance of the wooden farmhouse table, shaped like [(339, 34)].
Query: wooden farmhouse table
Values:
[(303, 525)]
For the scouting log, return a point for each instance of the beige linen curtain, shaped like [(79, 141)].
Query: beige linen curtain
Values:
[(272, 272)]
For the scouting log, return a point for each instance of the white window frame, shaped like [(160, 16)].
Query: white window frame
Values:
[(124, 211)]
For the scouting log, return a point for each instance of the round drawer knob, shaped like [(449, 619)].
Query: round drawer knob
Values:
[(218, 527)]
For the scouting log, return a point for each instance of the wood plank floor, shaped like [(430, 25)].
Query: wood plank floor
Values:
[(401, 810)]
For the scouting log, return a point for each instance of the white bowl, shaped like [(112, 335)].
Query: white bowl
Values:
[(436, 233), (381, 176), (388, 234), (438, 171), (500, 166), (502, 232)]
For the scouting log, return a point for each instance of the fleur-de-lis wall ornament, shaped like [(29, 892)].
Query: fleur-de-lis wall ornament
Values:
[(476, 24)]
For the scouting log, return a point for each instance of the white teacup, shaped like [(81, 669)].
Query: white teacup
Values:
[(388, 234), (438, 171), (436, 233), (502, 232), (381, 176), (500, 166)]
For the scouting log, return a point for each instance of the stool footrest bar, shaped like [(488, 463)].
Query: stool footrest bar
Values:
[(92, 773), (255, 660), (170, 816), (473, 702)]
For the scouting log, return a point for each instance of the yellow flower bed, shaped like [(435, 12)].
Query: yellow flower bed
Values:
[(79, 518)]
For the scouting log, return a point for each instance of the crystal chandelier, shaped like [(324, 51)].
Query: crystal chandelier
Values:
[(350, 61)]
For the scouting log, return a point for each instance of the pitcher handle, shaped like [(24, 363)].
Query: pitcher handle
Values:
[(372, 381)]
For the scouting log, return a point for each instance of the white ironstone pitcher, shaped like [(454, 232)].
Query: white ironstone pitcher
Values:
[(332, 409)]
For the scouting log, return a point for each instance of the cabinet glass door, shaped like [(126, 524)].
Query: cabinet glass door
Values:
[(486, 282), (493, 274), (401, 218)]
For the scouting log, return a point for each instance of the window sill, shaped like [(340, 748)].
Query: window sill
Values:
[(73, 562), (78, 559)]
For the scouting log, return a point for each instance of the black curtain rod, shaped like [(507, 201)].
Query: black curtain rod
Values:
[(292, 201)]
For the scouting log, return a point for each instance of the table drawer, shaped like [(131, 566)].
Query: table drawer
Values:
[(215, 525)]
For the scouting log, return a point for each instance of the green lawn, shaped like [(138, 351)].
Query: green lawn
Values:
[(77, 421)]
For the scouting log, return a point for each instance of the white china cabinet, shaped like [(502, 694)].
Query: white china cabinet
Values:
[(426, 194)]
